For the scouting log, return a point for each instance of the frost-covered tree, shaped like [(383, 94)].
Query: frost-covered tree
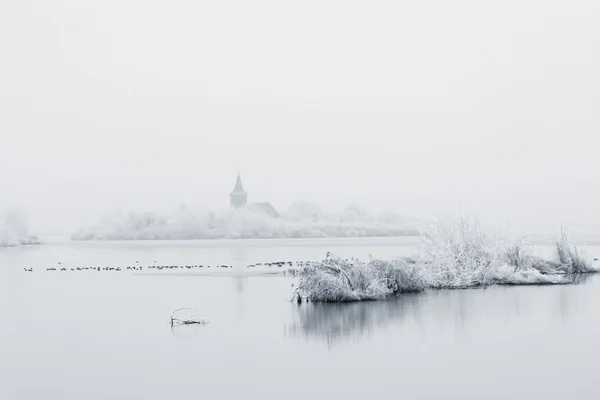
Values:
[(301, 220), (303, 211), (14, 229)]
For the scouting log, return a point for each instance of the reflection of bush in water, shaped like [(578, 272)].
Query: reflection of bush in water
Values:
[(461, 312), (336, 322)]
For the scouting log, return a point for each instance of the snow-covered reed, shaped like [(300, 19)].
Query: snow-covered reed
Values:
[(570, 258), (459, 253), (302, 220), (14, 229), (455, 253), (336, 279)]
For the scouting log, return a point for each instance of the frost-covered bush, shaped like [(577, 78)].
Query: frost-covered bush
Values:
[(14, 229), (336, 279), (400, 275), (455, 253), (459, 253)]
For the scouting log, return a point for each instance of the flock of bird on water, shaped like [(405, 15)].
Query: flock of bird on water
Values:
[(155, 266), (137, 267)]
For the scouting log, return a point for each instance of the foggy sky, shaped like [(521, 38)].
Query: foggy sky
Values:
[(415, 107)]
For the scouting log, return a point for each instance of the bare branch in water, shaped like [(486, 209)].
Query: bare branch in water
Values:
[(194, 319)]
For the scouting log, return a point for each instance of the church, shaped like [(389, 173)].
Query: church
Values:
[(238, 198)]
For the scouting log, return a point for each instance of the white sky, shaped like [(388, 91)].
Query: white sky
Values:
[(421, 107)]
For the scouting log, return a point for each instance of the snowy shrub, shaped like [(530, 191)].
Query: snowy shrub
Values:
[(455, 253), (335, 279), (459, 253)]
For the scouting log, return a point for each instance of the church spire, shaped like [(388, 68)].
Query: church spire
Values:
[(238, 198), (239, 188)]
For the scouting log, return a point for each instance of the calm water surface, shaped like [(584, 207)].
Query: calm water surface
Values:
[(105, 335)]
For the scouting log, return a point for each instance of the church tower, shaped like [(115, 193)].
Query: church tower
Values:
[(238, 198)]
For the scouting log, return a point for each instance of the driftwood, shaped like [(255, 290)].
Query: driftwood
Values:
[(193, 319)]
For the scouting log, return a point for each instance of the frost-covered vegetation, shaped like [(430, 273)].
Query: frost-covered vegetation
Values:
[(454, 254), (301, 220), (335, 279), (14, 229)]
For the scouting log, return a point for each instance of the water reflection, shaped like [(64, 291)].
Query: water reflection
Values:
[(455, 315), (239, 283), (335, 323), (239, 254), (571, 298)]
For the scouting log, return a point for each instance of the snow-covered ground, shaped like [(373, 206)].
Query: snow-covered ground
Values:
[(301, 220)]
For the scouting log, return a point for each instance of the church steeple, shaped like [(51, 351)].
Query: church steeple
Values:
[(238, 198), (238, 185)]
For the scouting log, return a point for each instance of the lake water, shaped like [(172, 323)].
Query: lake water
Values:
[(106, 334)]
